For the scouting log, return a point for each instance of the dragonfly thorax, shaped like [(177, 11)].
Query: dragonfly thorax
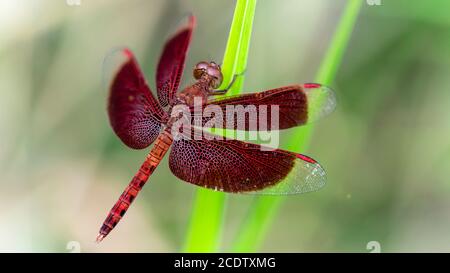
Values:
[(209, 77), (198, 93)]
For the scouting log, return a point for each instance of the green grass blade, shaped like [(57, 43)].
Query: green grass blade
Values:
[(205, 228), (263, 211), (204, 233), (333, 58), (230, 57), (244, 44)]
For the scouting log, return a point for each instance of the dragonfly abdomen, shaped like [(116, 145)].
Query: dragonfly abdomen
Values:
[(158, 151)]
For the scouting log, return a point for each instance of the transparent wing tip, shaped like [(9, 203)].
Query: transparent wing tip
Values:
[(307, 175), (188, 20), (321, 100), (311, 171), (112, 63)]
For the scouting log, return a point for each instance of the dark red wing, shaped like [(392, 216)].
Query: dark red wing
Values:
[(135, 115), (297, 105), (236, 166), (171, 65)]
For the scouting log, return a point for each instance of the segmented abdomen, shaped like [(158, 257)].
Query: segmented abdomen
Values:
[(158, 151)]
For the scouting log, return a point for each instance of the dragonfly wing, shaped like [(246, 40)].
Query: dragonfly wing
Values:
[(235, 166), (135, 115), (171, 65), (279, 108)]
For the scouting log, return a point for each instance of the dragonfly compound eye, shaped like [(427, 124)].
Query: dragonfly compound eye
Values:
[(200, 69), (216, 76)]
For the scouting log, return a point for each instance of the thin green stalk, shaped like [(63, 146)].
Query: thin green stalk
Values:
[(205, 230), (264, 209)]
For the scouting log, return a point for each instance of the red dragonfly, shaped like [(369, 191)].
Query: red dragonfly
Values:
[(227, 165)]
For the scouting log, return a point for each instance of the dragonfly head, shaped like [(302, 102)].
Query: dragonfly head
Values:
[(209, 71)]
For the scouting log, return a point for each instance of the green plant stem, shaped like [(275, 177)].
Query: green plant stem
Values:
[(263, 211), (205, 230)]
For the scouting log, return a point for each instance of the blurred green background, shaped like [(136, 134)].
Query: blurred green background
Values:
[(386, 148)]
